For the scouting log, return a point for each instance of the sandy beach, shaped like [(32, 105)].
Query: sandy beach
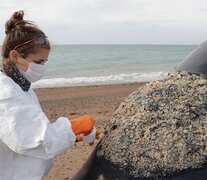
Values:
[(97, 101)]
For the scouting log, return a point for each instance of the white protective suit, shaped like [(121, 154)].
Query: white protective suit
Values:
[(28, 141)]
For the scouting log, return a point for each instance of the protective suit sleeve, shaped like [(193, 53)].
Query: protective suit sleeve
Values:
[(61, 133), (58, 138), (25, 129)]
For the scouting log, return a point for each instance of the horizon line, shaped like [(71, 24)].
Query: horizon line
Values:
[(128, 44)]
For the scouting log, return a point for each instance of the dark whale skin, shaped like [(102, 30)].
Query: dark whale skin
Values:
[(196, 61)]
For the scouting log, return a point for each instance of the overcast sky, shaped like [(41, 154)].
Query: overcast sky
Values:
[(114, 21)]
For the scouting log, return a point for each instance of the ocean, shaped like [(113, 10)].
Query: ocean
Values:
[(81, 65)]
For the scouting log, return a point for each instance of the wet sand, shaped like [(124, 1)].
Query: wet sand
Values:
[(97, 101)]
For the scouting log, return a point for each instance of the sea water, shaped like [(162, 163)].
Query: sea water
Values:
[(80, 65)]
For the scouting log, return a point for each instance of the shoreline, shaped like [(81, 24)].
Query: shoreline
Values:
[(92, 85), (99, 101), (110, 79)]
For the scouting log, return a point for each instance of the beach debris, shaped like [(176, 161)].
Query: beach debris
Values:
[(160, 129)]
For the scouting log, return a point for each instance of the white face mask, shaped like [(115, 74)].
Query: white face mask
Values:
[(34, 73)]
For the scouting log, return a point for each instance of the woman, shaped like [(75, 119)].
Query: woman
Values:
[(28, 141)]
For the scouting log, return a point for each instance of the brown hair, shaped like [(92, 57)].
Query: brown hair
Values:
[(17, 32)]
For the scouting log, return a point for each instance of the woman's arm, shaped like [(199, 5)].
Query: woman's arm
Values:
[(25, 129)]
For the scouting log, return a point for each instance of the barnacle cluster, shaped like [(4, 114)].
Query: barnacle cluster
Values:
[(159, 129)]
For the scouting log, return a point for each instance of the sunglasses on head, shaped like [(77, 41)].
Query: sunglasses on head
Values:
[(38, 40)]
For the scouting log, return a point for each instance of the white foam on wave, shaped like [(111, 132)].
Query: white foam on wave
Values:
[(110, 79)]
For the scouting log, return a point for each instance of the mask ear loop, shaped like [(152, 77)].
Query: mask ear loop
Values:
[(25, 60), (22, 57)]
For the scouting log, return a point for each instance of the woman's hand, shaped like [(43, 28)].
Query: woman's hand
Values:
[(85, 130), (83, 125)]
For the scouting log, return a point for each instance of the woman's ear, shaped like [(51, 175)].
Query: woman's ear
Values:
[(14, 55)]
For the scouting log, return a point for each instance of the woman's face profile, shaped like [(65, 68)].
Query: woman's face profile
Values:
[(39, 57)]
